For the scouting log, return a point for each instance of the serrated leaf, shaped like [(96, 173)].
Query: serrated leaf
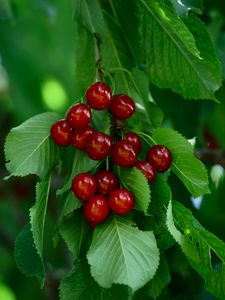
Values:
[(161, 279), (38, 213), (122, 254), (135, 181), (175, 58), (79, 285), (81, 163), (75, 231), (185, 165), (184, 227), (71, 203), (28, 148), (26, 256)]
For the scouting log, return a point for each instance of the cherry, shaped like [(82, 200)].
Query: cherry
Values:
[(79, 116), (121, 201), (80, 137), (84, 186), (98, 95), (99, 145), (135, 141), (122, 106), (146, 169), (159, 157), (61, 133), (96, 210), (106, 182), (123, 154)]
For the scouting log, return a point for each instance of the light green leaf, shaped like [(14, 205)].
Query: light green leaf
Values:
[(81, 163), (28, 148), (135, 181), (175, 58), (75, 231), (80, 285), (185, 165), (122, 254), (26, 256), (38, 213), (184, 7), (207, 247)]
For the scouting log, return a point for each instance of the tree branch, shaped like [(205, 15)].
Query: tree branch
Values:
[(211, 156)]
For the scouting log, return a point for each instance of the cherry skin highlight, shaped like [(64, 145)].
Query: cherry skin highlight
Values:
[(123, 154), (99, 145), (96, 210), (121, 201), (160, 158), (79, 116), (84, 186), (135, 141), (98, 95), (80, 137), (61, 133), (107, 181), (122, 106), (146, 169)]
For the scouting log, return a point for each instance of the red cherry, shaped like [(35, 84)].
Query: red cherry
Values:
[(106, 182), (121, 201), (80, 137), (122, 107), (96, 209), (98, 95), (79, 116), (146, 169), (123, 154), (99, 145), (84, 186), (135, 141), (61, 133), (159, 157)]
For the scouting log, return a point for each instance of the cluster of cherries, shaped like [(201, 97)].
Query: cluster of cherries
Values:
[(101, 192)]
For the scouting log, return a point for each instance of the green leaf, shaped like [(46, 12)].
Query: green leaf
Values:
[(81, 163), (122, 254), (135, 181), (38, 213), (207, 247), (80, 285), (184, 7), (175, 58), (28, 148), (85, 64), (101, 120), (26, 256), (185, 165), (71, 203), (161, 279), (75, 231)]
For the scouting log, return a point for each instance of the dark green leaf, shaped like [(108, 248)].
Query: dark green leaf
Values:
[(209, 250), (26, 256), (28, 148), (173, 59), (81, 163), (38, 213), (185, 165), (122, 254), (79, 285), (75, 231), (135, 181)]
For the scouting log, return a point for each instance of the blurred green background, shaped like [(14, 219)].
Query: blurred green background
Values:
[(37, 74)]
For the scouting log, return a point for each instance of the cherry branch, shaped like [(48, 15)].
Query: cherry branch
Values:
[(211, 156)]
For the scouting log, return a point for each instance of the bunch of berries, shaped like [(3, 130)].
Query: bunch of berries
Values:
[(101, 192)]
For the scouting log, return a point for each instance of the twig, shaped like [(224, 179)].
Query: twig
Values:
[(211, 156)]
